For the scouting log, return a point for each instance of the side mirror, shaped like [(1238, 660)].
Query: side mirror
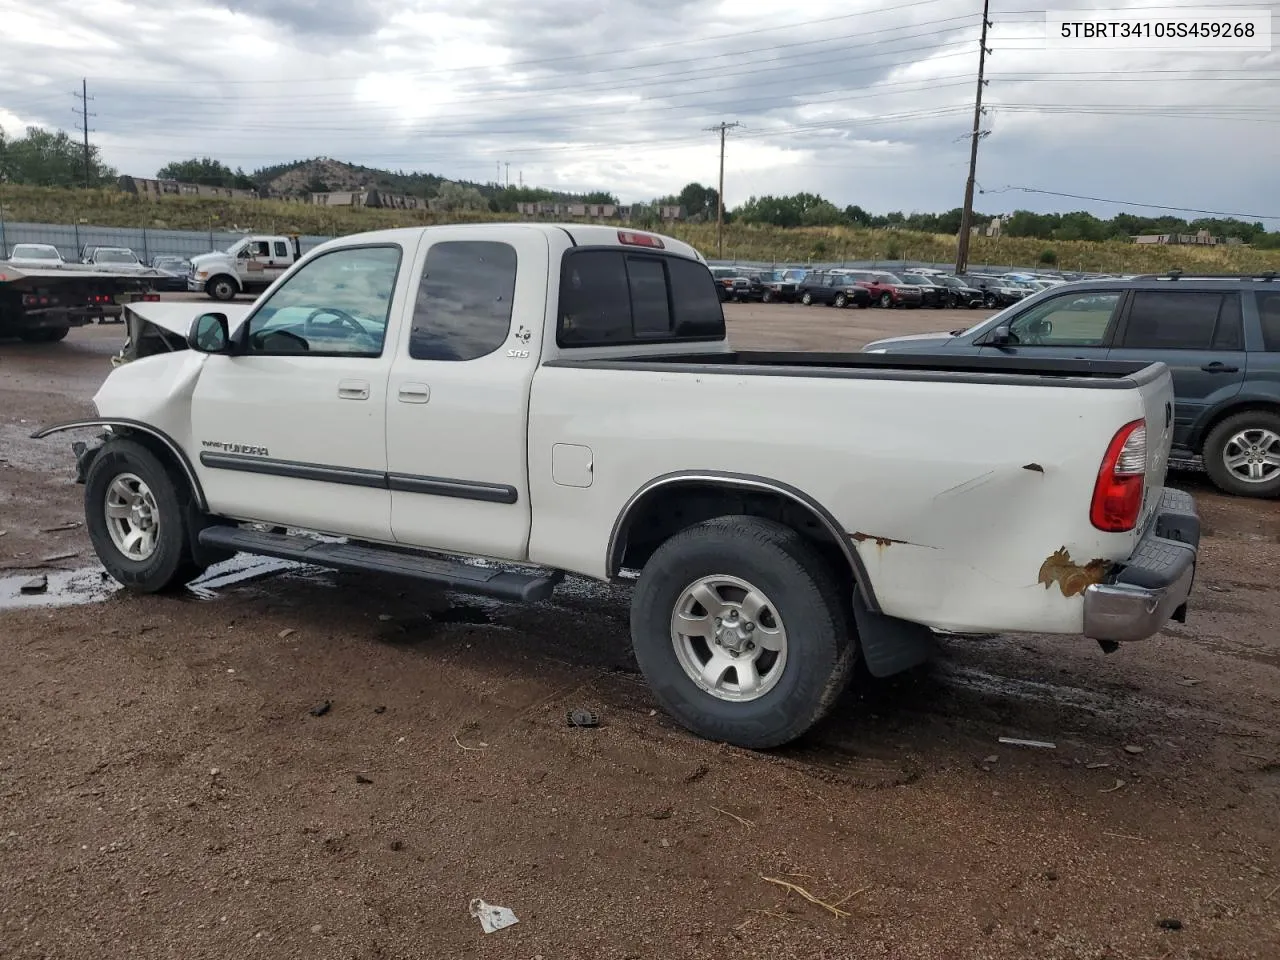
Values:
[(1000, 336), (209, 334)]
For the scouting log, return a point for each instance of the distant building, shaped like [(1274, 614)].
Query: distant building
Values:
[(154, 189), (1201, 238), (376, 199)]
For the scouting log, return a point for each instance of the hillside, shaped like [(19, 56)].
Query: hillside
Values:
[(324, 174), (749, 242)]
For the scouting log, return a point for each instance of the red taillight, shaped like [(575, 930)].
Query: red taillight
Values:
[(639, 239), (151, 297), (1117, 496)]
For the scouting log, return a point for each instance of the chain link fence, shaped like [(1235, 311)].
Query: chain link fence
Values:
[(70, 239)]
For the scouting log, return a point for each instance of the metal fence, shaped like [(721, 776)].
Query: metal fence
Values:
[(70, 239)]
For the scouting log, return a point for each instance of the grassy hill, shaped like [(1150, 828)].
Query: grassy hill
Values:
[(111, 208)]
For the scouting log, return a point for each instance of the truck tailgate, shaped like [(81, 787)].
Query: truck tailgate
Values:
[(1157, 398)]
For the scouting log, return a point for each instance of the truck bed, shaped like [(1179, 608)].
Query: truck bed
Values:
[(1094, 374)]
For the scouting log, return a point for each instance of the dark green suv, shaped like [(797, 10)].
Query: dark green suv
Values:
[(1220, 337)]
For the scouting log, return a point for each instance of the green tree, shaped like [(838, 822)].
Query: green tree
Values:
[(202, 170), (699, 202), (1048, 257), (822, 214), (45, 158)]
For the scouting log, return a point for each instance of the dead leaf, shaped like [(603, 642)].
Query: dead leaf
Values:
[(1071, 578)]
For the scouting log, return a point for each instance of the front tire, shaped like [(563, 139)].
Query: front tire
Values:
[(841, 301), (886, 300), (781, 652), (222, 288), (135, 511), (1242, 454)]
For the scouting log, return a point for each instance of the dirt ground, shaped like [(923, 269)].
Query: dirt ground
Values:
[(166, 791)]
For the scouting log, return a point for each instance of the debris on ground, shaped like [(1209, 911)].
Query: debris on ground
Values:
[(1096, 766), (742, 820), (992, 759), (65, 555), (1169, 923), (1133, 749), (583, 718), (379, 709), (1119, 786), (1189, 682), (320, 709), (1041, 744), (491, 918), (361, 778), (36, 585), (832, 908), (69, 525), (287, 631)]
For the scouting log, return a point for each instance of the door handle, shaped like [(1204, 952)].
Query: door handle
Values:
[(414, 393), (1219, 367), (353, 389)]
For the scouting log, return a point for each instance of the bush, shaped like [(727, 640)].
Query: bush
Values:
[(1048, 258)]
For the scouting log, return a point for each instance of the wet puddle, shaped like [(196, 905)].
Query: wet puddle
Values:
[(61, 588)]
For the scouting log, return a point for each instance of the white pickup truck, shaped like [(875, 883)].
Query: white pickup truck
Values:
[(487, 407), (249, 265)]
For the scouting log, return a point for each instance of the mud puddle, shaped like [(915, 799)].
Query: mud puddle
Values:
[(61, 588)]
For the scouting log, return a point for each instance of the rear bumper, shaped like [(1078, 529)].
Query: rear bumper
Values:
[(1153, 585)]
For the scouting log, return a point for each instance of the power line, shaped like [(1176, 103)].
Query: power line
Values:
[(1135, 203)]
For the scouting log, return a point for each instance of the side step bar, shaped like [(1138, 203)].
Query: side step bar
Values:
[(490, 581)]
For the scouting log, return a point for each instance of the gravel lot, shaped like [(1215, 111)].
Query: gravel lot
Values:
[(166, 791)]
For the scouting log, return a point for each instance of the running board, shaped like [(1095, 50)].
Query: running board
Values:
[(490, 581)]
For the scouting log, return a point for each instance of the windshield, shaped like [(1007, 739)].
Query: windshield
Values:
[(114, 256), (916, 278), (32, 252), (949, 281), (890, 278)]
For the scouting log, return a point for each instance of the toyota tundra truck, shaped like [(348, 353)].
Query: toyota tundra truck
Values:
[(490, 407)]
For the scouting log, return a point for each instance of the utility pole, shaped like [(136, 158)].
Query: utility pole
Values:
[(966, 215), (723, 128), (84, 97), (508, 174)]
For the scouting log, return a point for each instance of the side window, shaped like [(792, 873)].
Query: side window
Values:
[(282, 249), (336, 305), (258, 248), (1229, 333), (1074, 320), (1180, 320), (1269, 316), (608, 297), (463, 310)]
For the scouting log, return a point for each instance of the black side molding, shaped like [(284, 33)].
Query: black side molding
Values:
[(350, 476), (488, 581)]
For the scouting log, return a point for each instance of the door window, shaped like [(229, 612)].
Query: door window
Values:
[(282, 248), (463, 310), (1074, 320), (336, 305), (1184, 320)]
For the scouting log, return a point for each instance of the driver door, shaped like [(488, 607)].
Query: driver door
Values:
[(290, 429), (1073, 326)]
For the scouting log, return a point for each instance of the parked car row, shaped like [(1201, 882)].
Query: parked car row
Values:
[(923, 287), (43, 256)]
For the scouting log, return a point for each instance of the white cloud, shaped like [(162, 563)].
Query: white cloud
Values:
[(867, 105)]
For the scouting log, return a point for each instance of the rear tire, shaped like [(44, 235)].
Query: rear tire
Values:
[(807, 299), (136, 514), (1250, 435), (754, 571), (45, 334)]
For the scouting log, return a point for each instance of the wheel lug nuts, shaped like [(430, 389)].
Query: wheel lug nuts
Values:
[(749, 626)]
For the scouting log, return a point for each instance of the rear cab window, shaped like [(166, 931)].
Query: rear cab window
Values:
[(610, 297)]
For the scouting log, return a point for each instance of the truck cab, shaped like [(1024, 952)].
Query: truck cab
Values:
[(249, 265)]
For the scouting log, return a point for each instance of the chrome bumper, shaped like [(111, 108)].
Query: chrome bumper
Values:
[(1153, 585)]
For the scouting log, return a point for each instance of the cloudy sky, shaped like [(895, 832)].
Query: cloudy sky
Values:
[(864, 103)]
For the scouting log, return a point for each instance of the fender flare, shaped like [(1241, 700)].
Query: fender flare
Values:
[(124, 423), (744, 481)]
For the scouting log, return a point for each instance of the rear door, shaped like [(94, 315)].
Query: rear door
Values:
[(1071, 326), (1199, 335), (458, 398)]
